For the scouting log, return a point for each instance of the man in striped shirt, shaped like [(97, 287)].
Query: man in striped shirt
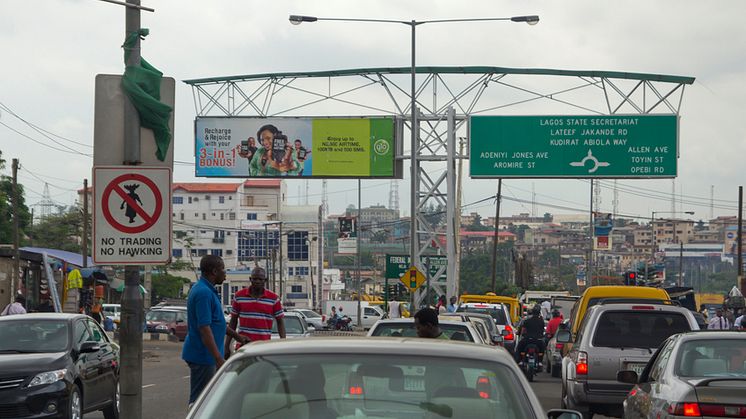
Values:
[(254, 309)]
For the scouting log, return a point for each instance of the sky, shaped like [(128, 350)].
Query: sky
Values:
[(54, 48)]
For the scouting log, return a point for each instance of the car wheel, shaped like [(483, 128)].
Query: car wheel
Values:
[(74, 404), (112, 411)]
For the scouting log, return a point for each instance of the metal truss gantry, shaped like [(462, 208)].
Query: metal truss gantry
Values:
[(446, 97)]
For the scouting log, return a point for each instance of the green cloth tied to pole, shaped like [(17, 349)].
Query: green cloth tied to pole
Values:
[(142, 84)]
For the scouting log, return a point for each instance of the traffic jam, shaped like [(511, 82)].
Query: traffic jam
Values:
[(619, 351)]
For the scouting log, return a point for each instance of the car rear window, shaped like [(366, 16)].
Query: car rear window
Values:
[(712, 358), (453, 331), (637, 328), (497, 314), (292, 325), (363, 385)]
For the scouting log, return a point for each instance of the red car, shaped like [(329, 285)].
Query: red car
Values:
[(171, 321)]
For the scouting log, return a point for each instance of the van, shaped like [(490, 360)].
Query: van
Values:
[(514, 306), (371, 314), (593, 295)]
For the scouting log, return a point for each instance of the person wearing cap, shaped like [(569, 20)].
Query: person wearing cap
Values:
[(253, 311)]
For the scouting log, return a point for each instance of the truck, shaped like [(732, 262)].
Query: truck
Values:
[(371, 313)]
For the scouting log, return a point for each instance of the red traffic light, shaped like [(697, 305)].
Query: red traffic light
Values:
[(632, 275)]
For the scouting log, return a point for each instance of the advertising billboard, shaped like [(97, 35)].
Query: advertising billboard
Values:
[(294, 147), (573, 146)]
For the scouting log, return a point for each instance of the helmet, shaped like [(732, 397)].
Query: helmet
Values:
[(536, 310)]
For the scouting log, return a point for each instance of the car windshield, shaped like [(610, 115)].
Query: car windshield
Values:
[(110, 310), (638, 328), (453, 331), (498, 314), (161, 316), (712, 358), (365, 386), (33, 335), (292, 325)]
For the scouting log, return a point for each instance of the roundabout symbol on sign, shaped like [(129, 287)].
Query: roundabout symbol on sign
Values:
[(132, 202)]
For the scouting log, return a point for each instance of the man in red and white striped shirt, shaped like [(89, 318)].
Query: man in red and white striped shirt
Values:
[(254, 309)]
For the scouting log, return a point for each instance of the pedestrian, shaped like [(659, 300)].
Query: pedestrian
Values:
[(441, 304), (546, 309), (719, 322), (394, 310), (426, 324), (253, 311), (16, 307), (452, 306), (45, 305), (739, 324), (203, 347)]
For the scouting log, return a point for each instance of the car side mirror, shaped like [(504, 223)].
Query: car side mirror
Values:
[(498, 339), (504, 332), (563, 414), (564, 336), (627, 376), (88, 347)]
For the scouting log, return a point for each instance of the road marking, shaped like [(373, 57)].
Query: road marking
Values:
[(148, 385)]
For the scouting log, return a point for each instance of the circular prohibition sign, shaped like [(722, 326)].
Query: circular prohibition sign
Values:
[(150, 219)]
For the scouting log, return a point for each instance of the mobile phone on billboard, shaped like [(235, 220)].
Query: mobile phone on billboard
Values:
[(278, 146), (245, 147), (302, 154)]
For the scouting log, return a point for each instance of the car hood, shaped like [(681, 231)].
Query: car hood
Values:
[(20, 364)]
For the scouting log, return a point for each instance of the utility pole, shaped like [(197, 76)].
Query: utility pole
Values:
[(130, 336), (741, 282), (359, 256), (497, 235), (588, 273), (320, 264), (16, 234), (84, 247)]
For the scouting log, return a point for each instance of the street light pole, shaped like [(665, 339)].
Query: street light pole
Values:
[(414, 165)]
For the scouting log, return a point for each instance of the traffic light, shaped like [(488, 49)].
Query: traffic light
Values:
[(630, 278)]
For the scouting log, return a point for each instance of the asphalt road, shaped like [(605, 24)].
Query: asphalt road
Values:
[(166, 384)]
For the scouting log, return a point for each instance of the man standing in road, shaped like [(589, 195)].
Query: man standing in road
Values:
[(719, 322), (203, 347), (426, 324), (394, 309), (253, 311), (452, 306)]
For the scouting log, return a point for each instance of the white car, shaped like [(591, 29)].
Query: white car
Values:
[(312, 318), (454, 329), (295, 327)]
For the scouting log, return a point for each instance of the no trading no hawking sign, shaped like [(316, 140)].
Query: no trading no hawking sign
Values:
[(131, 215)]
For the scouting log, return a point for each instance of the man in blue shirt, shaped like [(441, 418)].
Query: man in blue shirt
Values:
[(203, 347)]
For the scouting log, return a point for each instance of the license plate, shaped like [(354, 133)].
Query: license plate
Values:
[(636, 367)]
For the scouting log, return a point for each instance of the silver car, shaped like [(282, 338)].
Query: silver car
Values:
[(699, 374), (500, 313), (455, 330), (370, 378), (615, 336), (493, 334), (312, 318), (295, 326)]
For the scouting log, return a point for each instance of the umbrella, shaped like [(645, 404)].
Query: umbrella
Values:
[(121, 289)]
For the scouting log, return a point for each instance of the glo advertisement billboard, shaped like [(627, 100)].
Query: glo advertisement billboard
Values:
[(249, 147)]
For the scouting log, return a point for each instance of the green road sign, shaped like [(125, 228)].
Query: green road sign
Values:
[(397, 265), (573, 146)]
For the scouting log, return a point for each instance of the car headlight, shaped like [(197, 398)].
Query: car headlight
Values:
[(161, 327), (48, 377)]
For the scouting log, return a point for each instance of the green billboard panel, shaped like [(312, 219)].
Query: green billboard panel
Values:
[(573, 146)]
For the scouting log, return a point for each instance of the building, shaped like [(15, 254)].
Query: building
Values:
[(300, 254), (672, 231), (373, 219)]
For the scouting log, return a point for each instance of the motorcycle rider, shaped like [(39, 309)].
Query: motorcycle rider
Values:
[(554, 323), (532, 332)]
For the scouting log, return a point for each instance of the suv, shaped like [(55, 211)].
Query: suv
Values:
[(500, 314), (613, 336)]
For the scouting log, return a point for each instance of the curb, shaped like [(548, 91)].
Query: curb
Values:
[(164, 337)]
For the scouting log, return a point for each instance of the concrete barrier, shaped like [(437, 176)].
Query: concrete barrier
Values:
[(147, 336)]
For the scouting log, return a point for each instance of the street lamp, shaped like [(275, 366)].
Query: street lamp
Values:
[(310, 288), (529, 19)]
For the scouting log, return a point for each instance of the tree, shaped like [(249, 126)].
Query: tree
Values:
[(476, 224), (63, 231), (547, 217), (165, 285), (6, 209)]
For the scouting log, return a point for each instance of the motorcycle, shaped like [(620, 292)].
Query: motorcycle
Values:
[(531, 361), (341, 323)]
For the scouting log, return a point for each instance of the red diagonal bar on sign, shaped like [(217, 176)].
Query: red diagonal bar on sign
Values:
[(131, 202)]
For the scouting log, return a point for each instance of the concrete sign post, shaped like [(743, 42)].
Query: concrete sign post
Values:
[(573, 146), (132, 215)]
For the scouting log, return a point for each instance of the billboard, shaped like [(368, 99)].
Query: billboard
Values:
[(347, 238), (294, 147), (573, 146)]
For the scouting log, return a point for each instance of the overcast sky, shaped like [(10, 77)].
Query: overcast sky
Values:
[(53, 49)]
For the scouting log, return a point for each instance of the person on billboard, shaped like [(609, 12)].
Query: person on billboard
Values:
[(262, 163), (289, 165), (301, 154), (248, 149)]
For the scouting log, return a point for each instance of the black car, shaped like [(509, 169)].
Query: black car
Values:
[(55, 365)]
